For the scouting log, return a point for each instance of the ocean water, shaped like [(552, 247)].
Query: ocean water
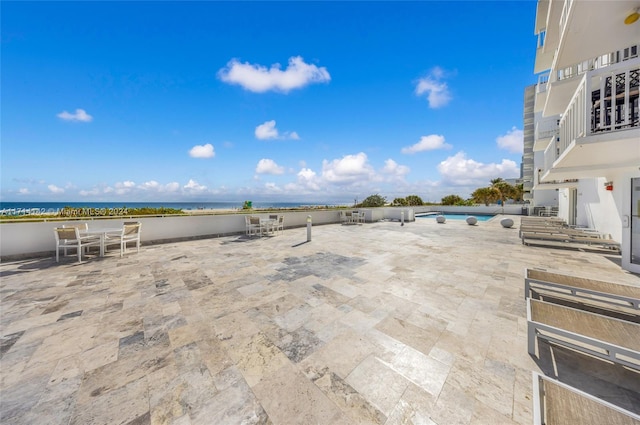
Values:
[(13, 208)]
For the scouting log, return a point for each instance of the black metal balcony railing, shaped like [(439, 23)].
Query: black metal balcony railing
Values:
[(615, 106)]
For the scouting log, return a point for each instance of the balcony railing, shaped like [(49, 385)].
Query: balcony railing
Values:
[(551, 153), (573, 123)]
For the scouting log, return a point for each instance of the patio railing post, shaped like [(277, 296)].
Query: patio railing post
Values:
[(308, 228)]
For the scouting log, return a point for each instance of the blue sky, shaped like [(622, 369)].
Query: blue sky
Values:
[(282, 101)]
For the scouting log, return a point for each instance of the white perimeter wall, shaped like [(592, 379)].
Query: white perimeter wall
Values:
[(22, 238), (25, 238)]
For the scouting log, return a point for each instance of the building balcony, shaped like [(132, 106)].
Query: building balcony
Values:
[(600, 128)]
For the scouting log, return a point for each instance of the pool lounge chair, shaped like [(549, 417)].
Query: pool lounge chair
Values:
[(562, 239), (591, 333), (607, 296), (557, 403)]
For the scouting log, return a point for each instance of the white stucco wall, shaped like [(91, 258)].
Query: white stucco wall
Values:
[(599, 208)]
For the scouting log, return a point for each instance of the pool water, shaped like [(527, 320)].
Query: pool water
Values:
[(457, 216)]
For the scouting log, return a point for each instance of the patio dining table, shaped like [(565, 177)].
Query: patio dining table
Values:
[(268, 224), (102, 232)]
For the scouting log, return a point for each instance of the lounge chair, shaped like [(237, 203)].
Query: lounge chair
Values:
[(606, 296), (591, 333), (557, 403), (562, 239)]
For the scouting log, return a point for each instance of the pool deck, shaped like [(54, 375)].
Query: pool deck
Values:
[(380, 323)]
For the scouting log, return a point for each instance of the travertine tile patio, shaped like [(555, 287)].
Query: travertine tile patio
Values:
[(374, 324)]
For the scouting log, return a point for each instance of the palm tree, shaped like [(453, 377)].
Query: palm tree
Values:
[(505, 190), (486, 195)]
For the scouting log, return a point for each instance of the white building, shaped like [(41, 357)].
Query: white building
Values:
[(587, 131)]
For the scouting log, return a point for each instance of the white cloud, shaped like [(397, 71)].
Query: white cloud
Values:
[(268, 166), (394, 169), (95, 191), (293, 135), (149, 190), (512, 141), (23, 191), (348, 169), (259, 79), (268, 130), (272, 188), (427, 143), (202, 151), (308, 179), (437, 90), (194, 186), (122, 188), (460, 170), (80, 115), (55, 189), (150, 185)]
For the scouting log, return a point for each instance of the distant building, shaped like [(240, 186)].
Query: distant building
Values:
[(586, 141)]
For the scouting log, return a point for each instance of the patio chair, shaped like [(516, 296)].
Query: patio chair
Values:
[(347, 217), (278, 226), (255, 226), (247, 225), (70, 238), (557, 403), (80, 226), (130, 234), (591, 333)]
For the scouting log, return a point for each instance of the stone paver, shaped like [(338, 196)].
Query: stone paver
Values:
[(377, 324)]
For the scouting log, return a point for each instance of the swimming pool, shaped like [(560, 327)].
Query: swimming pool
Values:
[(451, 216)]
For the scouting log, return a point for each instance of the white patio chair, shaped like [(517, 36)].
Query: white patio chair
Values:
[(247, 225), (70, 238), (255, 225), (81, 226), (278, 225), (130, 233)]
